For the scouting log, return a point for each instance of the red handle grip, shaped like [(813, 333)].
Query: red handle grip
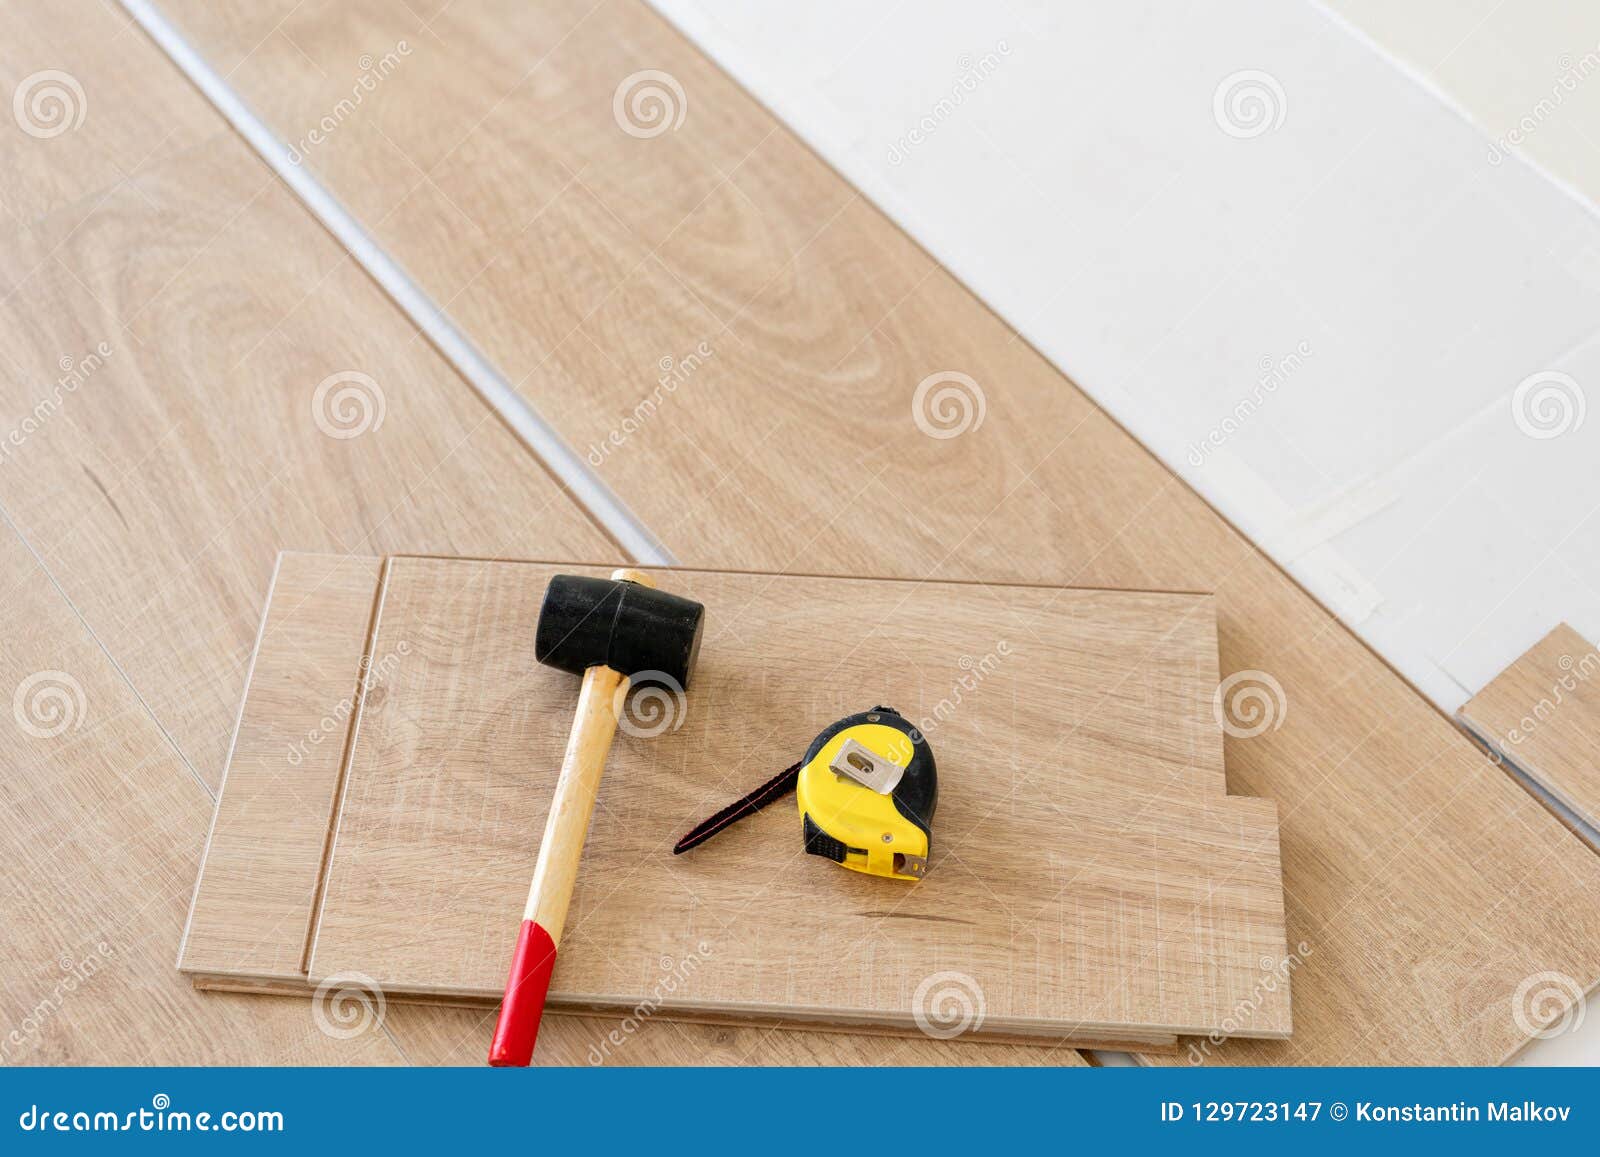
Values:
[(526, 986)]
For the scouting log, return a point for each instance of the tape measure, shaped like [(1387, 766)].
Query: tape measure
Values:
[(866, 789)]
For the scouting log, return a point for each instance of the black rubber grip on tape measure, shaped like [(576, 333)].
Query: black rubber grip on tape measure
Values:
[(820, 843)]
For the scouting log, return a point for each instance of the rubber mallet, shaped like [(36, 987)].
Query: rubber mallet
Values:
[(612, 632)]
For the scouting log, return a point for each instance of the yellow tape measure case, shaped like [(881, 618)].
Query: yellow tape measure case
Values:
[(867, 790)]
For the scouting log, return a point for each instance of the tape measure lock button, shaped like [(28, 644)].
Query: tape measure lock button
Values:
[(820, 843)]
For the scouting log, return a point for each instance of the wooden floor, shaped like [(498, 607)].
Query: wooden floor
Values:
[(146, 501)]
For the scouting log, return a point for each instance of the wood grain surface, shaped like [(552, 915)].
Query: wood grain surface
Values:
[(59, 65), (1080, 885), (204, 441), (157, 494), (1423, 885), (101, 829), (1543, 714), (260, 880)]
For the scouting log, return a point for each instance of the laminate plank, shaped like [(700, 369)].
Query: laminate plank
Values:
[(359, 986), (260, 880), (580, 256), (1543, 714), (1078, 886), (459, 1037), (268, 842)]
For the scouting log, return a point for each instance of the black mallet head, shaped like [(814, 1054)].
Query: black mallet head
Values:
[(624, 625)]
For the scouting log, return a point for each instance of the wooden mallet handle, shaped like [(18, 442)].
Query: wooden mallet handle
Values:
[(588, 744)]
